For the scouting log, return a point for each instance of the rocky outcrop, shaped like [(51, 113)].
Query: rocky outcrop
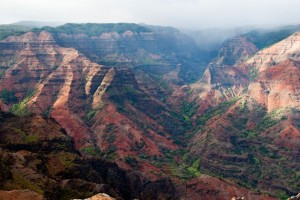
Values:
[(235, 50), (19, 195), (297, 197), (101, 196), (277, 53), (275, 73), (223, 79)]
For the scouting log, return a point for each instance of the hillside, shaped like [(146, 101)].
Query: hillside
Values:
[(82, 104), (248, 118)]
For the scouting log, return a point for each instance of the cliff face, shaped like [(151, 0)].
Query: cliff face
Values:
[(244, 132), (276, 74), (269, 75), (99, 107), (37, 154), (235, 50), (223, 79), (45, 76), (240, 118), (149, 48)]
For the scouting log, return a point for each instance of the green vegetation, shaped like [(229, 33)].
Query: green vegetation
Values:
[(243, 105), (93, 29), (188, 109), (26, 138), (91, 114), (46, 113), (267, 121), (265, 38), (8, 96), (253, 72), (109, 133), (194, 168), (132, 162), (216, 111), (12, 30), (20, 109), (67, 159), (90, 150), (21, 182), (127, 92), (282, 195), (110, 154)]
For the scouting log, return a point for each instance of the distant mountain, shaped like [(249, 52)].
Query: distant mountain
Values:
[(135, 46), (10, 30), (38, 24), (265, 37), (211, 39)]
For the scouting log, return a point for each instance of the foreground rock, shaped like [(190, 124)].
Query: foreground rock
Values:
[(101, 196), (295, 197), (19, 195)]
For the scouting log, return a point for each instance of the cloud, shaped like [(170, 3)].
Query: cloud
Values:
[(192, 14)]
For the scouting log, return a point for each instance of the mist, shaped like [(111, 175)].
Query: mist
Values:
[(186, 14)]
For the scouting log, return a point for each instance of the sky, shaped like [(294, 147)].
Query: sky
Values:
[(186, 14)]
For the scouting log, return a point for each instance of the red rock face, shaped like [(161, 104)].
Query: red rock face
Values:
[(276, 87), (111, 113), (218, 84), (3, 107), (235, 51), (252, 105), (225, 77), (25, 60), (85, 98), (276, 84)]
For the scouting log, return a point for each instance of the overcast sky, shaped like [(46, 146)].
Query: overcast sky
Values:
[(189, 14)]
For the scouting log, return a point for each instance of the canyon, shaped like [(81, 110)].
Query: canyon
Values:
[(138, 111)]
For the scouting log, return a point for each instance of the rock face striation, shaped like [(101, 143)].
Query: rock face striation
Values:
[(85, 98), (248, 118), (88, 109), (36, 153), (277, 73)]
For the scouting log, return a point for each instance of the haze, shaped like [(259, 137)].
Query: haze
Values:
[(188, 14)]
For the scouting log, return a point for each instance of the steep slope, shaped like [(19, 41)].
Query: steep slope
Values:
[(224, 78), (103, 109), (253, 135), (277, 70), (131, 45), (37, 154), (12, 29), (75, 115), (40, 73)]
